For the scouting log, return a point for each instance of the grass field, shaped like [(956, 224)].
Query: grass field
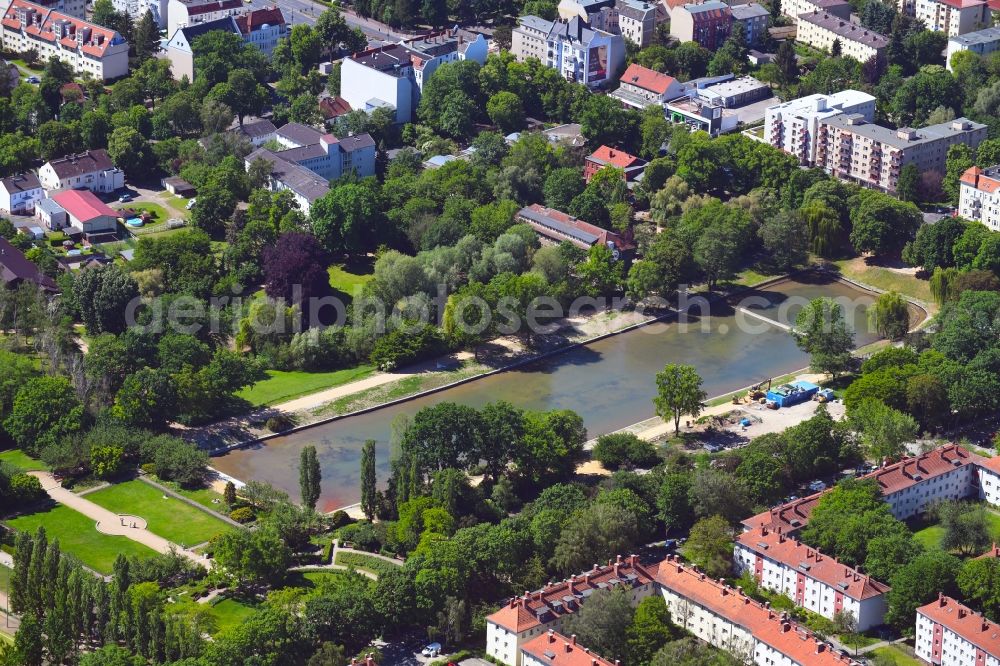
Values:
[(22, 461), (78, 536), (170, 518), (886, 279), (350, 278), (203, 496), (897, 655), (931, 535), (226, 613), (281, 385)]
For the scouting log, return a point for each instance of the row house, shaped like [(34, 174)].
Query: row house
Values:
[(641, 87), (851, 148), (820, 29), (91, 170), (811, 579), (86, 47), (579, 53), (793, 126), (950, 634), (707, 23), (908, 486), (532, 615)]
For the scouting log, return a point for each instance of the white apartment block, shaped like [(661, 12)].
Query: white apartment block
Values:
[(76, 8), (989, 469), (812, 580), (793, 126), (949, 634), (393, 75), (953, 17), (86, 47), (980, 42), (18, 194), (794, 8), (181, 13), (579, 53), (92, 170), (820, 29), (850, 148), (137, 8)]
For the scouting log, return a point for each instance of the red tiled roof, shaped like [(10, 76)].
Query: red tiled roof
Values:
[(49, 17), (791, 552), (966, 623), (539, 217), (963, 4), (333, 107), (617, 158), (82, 204), (978, 179), (213, 6), (564, 651), (559, 599), (253, 20), (992, 464), (891, 479), (766, 625), (647, 78)]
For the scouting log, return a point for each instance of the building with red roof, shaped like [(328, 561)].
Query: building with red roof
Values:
[(979, 196), (86, 213), (263, 28), (555, 227), (641, 87), (950, 634), (630, 165), (86, 47), (813, 580), (554, 648)]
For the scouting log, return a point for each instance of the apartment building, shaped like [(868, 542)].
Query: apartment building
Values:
[(641, 87), (527, 617), (138, 8), (634, 20), (793, 126), (813, 580), (980, 42), (76, 8), (179, 49), (754, 19), (989, 481), (182, 13), (950, 634), (86, 47), (795, 8), (92, 170), (953, 17), (979, 196), (908, 486), (393, 75), (263, 28), (552, 647), (820, 29), (578, 52), (851, 148), (708, 23), (18, 194)]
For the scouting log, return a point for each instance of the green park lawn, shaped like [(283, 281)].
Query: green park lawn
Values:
[(22, 461), (888, 280), (931, 535), (203, 496), (281, 385), (230, 613), (897, 655), (78, 537), (350, 278), (166, 516)]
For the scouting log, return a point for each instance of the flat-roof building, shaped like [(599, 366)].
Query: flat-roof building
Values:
[(793, 126), (980, 42)]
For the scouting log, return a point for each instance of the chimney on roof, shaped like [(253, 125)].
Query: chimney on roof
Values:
[(785, 626), (985, 625), (552, 635), (962, 613), (820, 647), (572, 639), (567, 647)]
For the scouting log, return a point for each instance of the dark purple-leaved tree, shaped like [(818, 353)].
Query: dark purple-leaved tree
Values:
[(296, 259)]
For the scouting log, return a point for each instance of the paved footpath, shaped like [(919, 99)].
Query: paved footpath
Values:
[(107, 522)]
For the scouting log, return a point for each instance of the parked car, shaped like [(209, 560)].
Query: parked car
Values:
[(125, 198), (432, 650), (34, 79), (191, 202)]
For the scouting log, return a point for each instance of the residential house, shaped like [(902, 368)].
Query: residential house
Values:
[(980, 42), (813, 580), (179, 48), (392, 76), (820, 29), (85, 212), (91, 170), (950, 634), (554, 227), (51, 214), (333, 108), (637, 20), (15, 269), (86, 47), (263, 28), (707, 23), (181, 13), (793, 126), (979, 196), (630, 165), (297, 135), (18, 194), (578, 52), (641, 87), (754, 19), (257, 132), (988, 484)]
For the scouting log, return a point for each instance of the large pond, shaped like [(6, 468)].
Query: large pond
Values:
[(610, 382)]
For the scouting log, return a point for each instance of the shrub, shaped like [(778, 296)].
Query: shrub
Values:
[(361, 534), (339, 519), (402, 348), (624, 449), (279, 423), (26, 488), (243, 515)]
